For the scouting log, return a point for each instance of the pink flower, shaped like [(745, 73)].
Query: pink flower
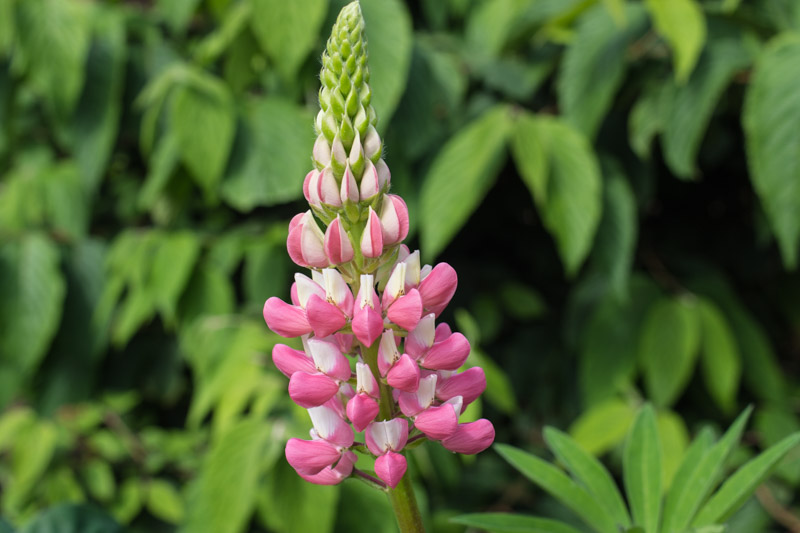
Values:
[(468, 384), (329, 314), (471, 438), (331, 437), (332, 368), (337, 243), (306, 242), (437, 422), (363, 407), (438, 287), (384, 439), (349, 189), (367, 322), (394, 219), (372, 238)]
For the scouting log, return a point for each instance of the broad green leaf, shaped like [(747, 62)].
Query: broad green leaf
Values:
[(688, 112), (99, 479), (72, 518), (499, 391), (698, 475), (231, 463), (683, 25), (674, 440), (770, 118), (589, 472), (164, 501), (209, 292), (741, 485), (66, 206), (511, 523), (720, 359), (287, 31), (773, 424), (172, 267), (458, 179), (204, 120), (29, 459), (641, 466), (490, 25), (615, 244), (594, 65), (363, 508), (31, 297), (566, 185), (128, 502), (54, 39), (266, 271), (561, 487), (163, 162), (177, 13), (95, 122), (668, 348), (646, 119), (521, 301), (603, 426), (389, 42), (271, 155)]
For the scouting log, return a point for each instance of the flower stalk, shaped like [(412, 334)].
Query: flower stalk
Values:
[(373, 360)]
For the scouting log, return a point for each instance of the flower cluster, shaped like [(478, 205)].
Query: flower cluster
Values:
[(373, 359)]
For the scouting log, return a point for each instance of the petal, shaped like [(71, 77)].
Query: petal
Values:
[(387, 352), (311, 390), (289, 360), (412, 403), (312, 244), (448, 354), (321, 152), (468, 384), (285, 319), (311, 176), (328, 189), (324, 317), (395, 286), (394, 219), (442, 332), (438, 287), (437, 422), (367, 325), (384, 175), (471, 438), (404, 374), (372, 238), (390, 468), (305, 287), (370, 182), (336, 289), (365, 381), (361, 410), (311, 456), (329, 360), (331, 427), (338, 247), (389, 435), (406, 311), (349, 188), (421, 338), (293, 245)]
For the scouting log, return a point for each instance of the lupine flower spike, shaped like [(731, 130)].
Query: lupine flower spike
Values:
[(367, 315)]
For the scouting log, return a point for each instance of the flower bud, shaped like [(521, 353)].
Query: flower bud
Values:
[(338, 156), (372, 238), (305, 242), (322, 152), (372, 144), (370, 182), (394, 219), (311, 182), (337, 243)]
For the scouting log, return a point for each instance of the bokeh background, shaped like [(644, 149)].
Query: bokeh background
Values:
[(616, 182)]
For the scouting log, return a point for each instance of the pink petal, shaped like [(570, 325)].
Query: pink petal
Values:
[(365, 381), (404, 374), (361, 410), (303, 287), (370, 182), (421, 338), (468, 384), (442, 332), (412, 403), (296, 220), (349, 189), (390, 468), (284, 319), (437, 422), (324, 318), (406, 311), (337, 291), (337, 244), (448, 354), (389, 435), (289, 360), (310, 456), (367, 325), (438, 287), (328, 189), (471, 438), (367, 297), (384, 176), (394, 219), (333, 475), (395, 285), (372, 238), (314, 174), (311, 390), (387, 352), (345, 342), (329, 426), (312, 244), (328, 359), (293, 245)]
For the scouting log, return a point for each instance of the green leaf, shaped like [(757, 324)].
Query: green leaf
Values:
[(668, 348), (566, 184), (698, 474), (99, 479), (231, 463), (287, 31), (720, 359), (54, 40), (741, 485), (646, 119), (458, 179), (389, 43), (266, 271), (164, 501), (603, 426), (499, 391), (271, 156), (66, 204), (561, 487), (204, 122), (521, 301), (674, 440), (128, 502), (31, 454), (641, 467), (363, 508), (683, 25), (95, 122), (72, 518), (688, 112), (510, 523), (771, 114), (209, 292), (172, 266), (590, 473), (489, 27), (31, 297), (594, 65), (177, 13)]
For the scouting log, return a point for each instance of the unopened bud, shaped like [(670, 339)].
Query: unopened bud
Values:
[(322, 152)]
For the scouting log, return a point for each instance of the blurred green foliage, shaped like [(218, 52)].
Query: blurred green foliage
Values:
[(616, 182)]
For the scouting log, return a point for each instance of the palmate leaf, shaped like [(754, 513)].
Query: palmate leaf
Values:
[(560, 486), (641, 465), (513, 523)]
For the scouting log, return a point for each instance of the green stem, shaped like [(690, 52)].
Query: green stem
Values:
[(402, 497)]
